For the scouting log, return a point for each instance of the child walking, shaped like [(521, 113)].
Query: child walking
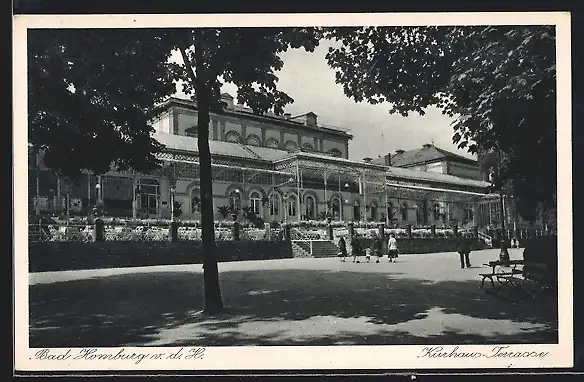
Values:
[(355, 248), (392, 248)]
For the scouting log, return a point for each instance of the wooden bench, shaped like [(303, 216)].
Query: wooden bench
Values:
[(498, 275), (531, 282)]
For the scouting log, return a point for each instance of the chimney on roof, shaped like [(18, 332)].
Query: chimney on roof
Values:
[(400, 151), (287, 115), (227, 101), (367, 160), (311, 119), (427, 145)]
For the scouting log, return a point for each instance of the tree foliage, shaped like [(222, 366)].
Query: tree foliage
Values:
[(496, 82), (92, 94)]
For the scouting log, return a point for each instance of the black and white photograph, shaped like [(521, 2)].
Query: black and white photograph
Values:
[(248, 192)]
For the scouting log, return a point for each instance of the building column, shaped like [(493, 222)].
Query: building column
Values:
[(215, 125), (244, 133), (282, 139), (222, 124), (316, 146), (299, 140), (174, 121), (263, 142)]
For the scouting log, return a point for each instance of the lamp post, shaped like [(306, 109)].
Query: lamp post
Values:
[(501, 201), (346, 186), (67, 201), (97, 198)]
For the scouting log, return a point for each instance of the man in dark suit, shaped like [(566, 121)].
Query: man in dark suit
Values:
[(463, 250)]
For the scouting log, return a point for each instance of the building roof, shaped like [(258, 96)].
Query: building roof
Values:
[(265, 154), (425, 154), (228, 149), (399, 172)]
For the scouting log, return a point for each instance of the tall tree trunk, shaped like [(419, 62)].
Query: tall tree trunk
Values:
[(213, 300)]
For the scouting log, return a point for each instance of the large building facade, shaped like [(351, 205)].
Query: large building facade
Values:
[(282, 168)]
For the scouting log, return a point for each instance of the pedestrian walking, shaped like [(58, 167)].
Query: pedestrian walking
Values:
[(343, 248), (355, 248), (463, 250), (392, 250), (377, 247)]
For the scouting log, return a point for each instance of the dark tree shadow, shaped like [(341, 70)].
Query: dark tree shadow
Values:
[(135, 309)]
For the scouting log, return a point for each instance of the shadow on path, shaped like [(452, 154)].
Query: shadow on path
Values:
[(280, 307)]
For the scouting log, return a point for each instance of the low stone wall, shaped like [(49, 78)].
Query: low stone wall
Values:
[(429, 245), (45, 257)]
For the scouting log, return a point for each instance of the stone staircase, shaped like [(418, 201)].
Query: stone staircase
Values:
[(324, 248)]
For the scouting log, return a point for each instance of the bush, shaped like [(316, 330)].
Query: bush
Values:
[(544, 250)]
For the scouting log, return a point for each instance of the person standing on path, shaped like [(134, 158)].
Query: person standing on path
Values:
[(355, 248), (463, 251), (343, 248), (392, 247), (377, 247)]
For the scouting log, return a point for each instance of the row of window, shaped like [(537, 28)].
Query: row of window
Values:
[(273, 143)]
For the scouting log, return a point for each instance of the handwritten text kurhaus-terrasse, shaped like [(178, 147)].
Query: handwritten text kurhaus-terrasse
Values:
[(496, 352)]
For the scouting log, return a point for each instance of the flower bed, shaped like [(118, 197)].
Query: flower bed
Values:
[(116, 229)]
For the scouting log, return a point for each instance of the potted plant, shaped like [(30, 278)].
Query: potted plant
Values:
[(234, 212), (177, 209), (224, 211)]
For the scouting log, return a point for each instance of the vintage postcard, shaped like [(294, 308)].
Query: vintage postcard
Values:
[(292, 192)]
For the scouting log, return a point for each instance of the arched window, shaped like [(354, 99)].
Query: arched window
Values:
[(274, 204), (307, 147), (192, 131), (255, 201), (436, 211), (290, 146), (253, 140), (272, 143), (389, 211), (404, 211), (233, 136), (292, 205), (356, 210), (235, 200), (336, 206), (373, 209), (195, 200), (335, 153), (310, 205)]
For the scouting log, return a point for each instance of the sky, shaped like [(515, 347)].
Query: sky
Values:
[(308, 79)]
